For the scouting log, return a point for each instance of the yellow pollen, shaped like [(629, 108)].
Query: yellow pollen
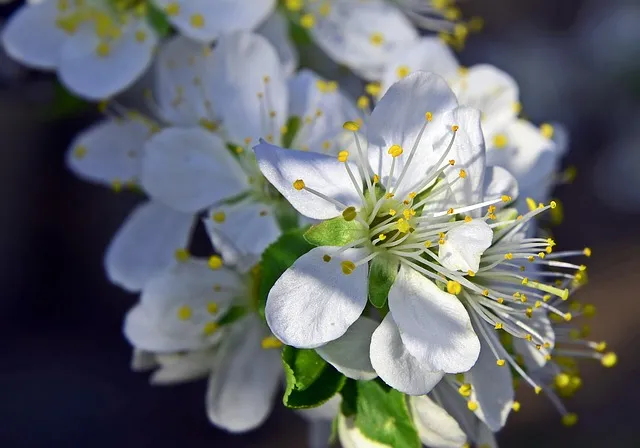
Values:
[(270, 342), (215, 262), (172, 9), (363, 102), (210, 328), (184, 312), (428, 116), (376, 39), (389, 195), (515, 406), (454, 287), (498, 326), (403, 226), (485, 292), (600, 346), (537, 390), (500, 141), (508, 256), (586, 251), (500, 362), (470, 273), (197, 20), (181, 254), (294, 5), (505, 198), (569, 419), (347, 267), (349, 214), (343, 156), (567, 317), (373, 89), (427, 243), (500, 300), (463, 174), (212, 307), (219, 217), (382, 237), (547, 130), (307, 21), (465, 390), (326, 258), (609, 360), (376, 178), (562, 380), (472, 406), (553, 204), (395, 151), (103, 49), (141, 36), (455, 128), (298, 184), (392, 212), (351, 126), (450, 211), (402, 72)]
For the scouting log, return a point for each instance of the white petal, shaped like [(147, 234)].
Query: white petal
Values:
[(498, 182), (242, 387), (484, 437), (145, 244), (349, 353), (190, 169), (314, 302), (435, 426), (430, 54), (464, 246), (249, 83), (181, 99), (223, 16), (89, 75), (242, 231), (398, 119), (492, 388), (468, 151), (159, 323), (325, 174), (493, 92), (142, 360), (276, 30), (434, 325), (109, 151), (395, 365), (533, 358), (306, 99), (39, 49), (178, 368), (351, 437)]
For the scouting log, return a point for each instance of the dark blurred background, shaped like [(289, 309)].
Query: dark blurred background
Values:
[(64, 364)]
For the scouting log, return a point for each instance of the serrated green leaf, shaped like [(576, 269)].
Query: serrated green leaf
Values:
[(382, 274), (233, 314), (158, 20), (334, 232), (293, 126), (277, 258), (306, 366), (349, 403), (318, 384), (383, 416)]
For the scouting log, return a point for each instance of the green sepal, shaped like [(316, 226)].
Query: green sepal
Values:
[(383, 416), (349, 403), (382, 273), (293, 126), (157, 19), (232, 315), (334, 232), (311, 381), (277, 258)]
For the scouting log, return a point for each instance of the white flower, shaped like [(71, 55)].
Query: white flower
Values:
[(361, 35), (184, 309), (245, 95), (530, 154), (379, 189)]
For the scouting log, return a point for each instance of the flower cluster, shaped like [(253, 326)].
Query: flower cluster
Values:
[(379, 254)]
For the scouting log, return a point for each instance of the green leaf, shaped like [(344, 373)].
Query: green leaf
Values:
[(311, 381), (293, 126), (65, 104), (299, 35), (383, 416), (277, 258), (349, 403), (334, 232), (233, 314), (157, 18), (286, 216), (382, 274)]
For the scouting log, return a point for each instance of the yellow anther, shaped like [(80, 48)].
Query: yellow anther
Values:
[(454, 287), (508, 256), (215, 262), (376, 39), (428, 116), (500, 300), (500, 362), (531, 258), (553, 204), (402, 71), (450, 211), (294, 5), (382, 237), (389, 195), (586, 251), (412, 195), (103, 49), (569, 419), (567, 317), (529, 312), (298, 184), (212, 307), (537, 390), (541, 254), (538, 304), (307, 21), (210, 328), (528, 337), (197, 20), (562, 380), (427, 243), (462, 174), (485, 292), (600, 346), (455, 128), (363, 102), (347, 267), (531, 204), (184, 312), (472, 406), (505, 198), (515, 406), (547, 130), (452, 162), (609, 359), (376, 178), (349, 214), (326, 258), (219, 217), (465, 390), (181, 254), (270, 342), (395, 151), (517, 107), (373, 89), (79, 152), (403, 226), (141, 36), (172, 9), (343, 156), (500, 141), (470, 273), (392, 212), (468, 219), (525, 281), (351, 126)]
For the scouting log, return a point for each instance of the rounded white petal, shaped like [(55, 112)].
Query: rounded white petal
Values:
[(349, 353), (32, 37), (314, 301), (351, 437), (498, 182), (190, 169), (249, 82), (436, 428), (325, 174), (492, 388), (434, 325), (242, 231), (174, 307), (398, 119), (395, 365), (204, 20), (178, 368), (276, 30), (429, 53), (242, 387), (145, 244), (183, 82), (84, 72), (109, 151), (464, 246)]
